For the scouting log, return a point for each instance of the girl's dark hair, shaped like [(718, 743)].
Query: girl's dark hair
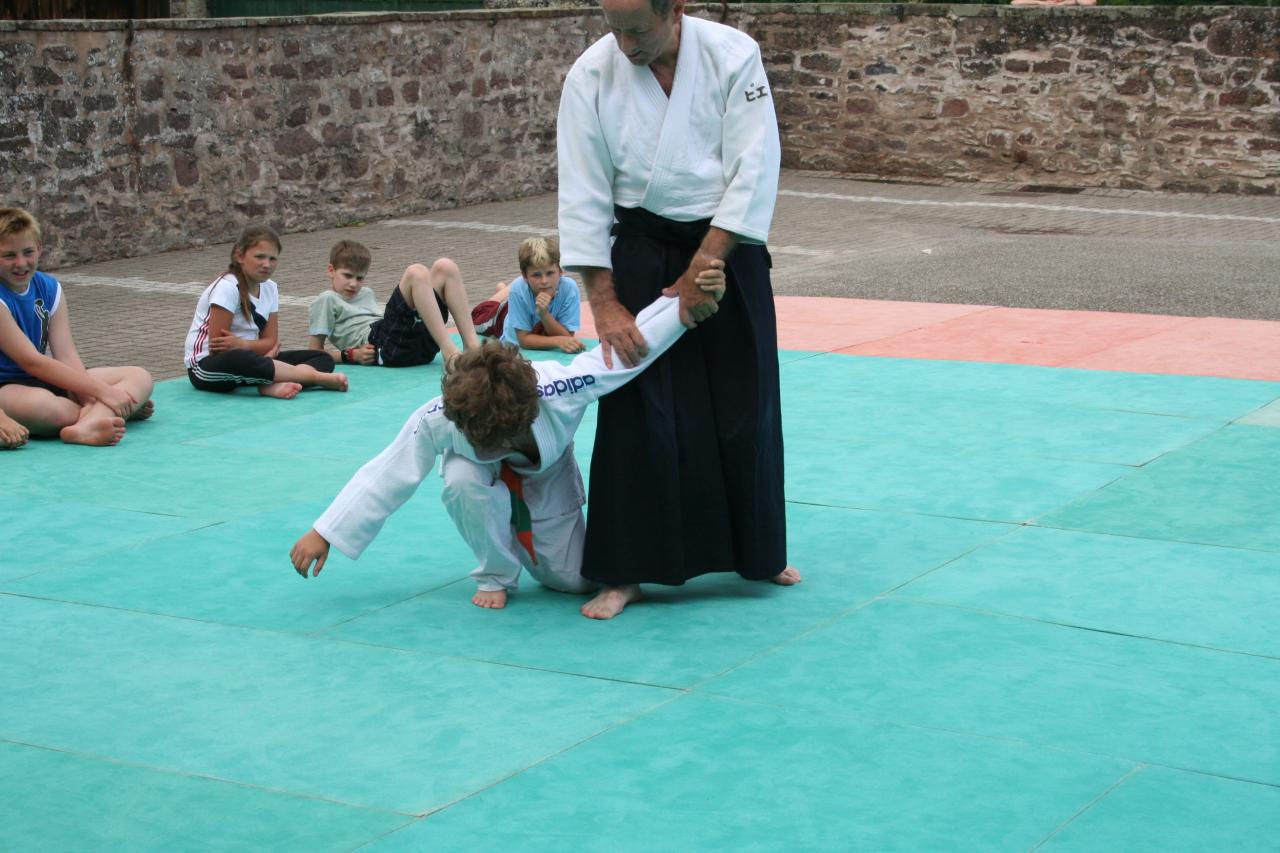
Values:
[(250, 237)]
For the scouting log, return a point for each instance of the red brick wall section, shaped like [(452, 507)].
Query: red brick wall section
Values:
[(135, 138)]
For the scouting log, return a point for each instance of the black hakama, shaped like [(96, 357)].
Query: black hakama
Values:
[(686, 474)]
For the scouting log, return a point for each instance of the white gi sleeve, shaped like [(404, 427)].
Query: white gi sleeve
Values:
[(380, 487), (586, 174), (660, 324), (751, 153)]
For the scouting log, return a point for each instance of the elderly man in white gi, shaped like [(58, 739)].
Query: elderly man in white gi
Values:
[(668, 142)]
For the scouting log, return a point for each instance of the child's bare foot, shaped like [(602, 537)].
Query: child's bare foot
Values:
[(280, 390), (96, 432), (12, 434), (490, 599), (332, 381), (790, 576), (144, 411), (610, 601)]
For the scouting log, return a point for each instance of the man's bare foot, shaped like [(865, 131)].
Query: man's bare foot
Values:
[(332, 381), (143, 412), (610, 601), (490, 599), (96, 432), (280, 390), (790, 576)]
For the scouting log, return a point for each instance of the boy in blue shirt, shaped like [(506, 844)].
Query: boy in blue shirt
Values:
[(540, 309), (44, 386)]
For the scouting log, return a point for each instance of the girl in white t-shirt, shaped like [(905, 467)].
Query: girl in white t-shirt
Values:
[(233, 338)]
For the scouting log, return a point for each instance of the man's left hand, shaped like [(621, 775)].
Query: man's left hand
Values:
[(700, 289)]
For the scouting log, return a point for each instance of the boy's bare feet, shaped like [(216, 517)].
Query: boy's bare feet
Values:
[(280, 390), (790, 576), (96, 432), (490, 599), (610, 601), (12, 434), (144, 411)]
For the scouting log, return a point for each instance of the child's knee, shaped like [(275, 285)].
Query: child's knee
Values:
[(415, 272), (140, 378), (464, 491), (57, 412), (445, 269)]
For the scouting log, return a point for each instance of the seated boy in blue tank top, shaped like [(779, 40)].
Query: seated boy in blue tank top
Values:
[(43, 384)]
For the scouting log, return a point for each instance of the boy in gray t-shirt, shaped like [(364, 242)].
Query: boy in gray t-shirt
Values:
[(411, 329)]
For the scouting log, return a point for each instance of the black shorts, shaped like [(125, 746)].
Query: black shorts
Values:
[(32, 382), (401, 337)]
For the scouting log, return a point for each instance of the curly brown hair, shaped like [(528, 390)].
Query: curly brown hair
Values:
[(491, 394)]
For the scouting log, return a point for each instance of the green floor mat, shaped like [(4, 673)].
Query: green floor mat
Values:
[(173, 684)]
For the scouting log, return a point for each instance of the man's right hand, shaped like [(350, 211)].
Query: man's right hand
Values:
[(616, 328)]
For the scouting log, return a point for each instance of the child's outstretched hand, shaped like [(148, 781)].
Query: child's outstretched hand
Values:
[(311, 548), (711, 280)]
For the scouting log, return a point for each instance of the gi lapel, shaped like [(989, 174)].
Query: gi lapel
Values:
[(673, 140)]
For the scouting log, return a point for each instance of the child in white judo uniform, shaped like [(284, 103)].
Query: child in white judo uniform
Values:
[(504, 428)]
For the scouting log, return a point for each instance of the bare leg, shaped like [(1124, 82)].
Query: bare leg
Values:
[(610, 601), (44, 413), (419, 286), (501, 293), (490, 599), (304, 375), (136, 381)]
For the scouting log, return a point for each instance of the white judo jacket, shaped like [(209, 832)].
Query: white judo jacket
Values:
[(564, 391)]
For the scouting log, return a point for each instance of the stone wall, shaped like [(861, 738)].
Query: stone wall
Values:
[(1175, 98), (129, 140), (132, 138)]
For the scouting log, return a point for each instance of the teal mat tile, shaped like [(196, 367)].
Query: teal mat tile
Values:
[(54, 801), (1268, 415), (311, 717), (71, 532), (679, 636), (702, 774), (1221, 490), (183, 413), (988, 486), (1209, 596), (238, 572), (186, 480), (961, 671), (350, 434), (948, 381), (1163, 811), (1026, 429)]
